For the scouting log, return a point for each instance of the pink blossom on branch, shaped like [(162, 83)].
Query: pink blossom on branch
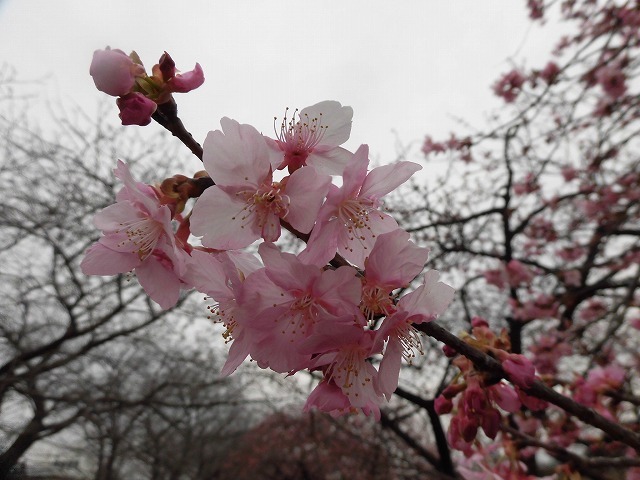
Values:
[(137, 234), (349, 222), (245, 204), (313, 137)]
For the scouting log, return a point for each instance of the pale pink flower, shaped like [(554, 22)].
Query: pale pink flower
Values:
[(393, 263), (402, 339), (313, 137), (220, 276), (349, 221), (138, 235), (286, 301), (136, 109), (342, 350), (113, 71), (246, 204), (550, 73), (328, 397)]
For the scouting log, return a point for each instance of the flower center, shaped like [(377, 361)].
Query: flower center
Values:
[(298, 136), (143, 234)]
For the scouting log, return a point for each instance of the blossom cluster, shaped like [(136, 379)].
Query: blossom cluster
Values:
[(332, 307), (120, 75)]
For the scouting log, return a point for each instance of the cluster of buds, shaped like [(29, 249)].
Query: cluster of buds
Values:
[(479, 397), (120, 75)]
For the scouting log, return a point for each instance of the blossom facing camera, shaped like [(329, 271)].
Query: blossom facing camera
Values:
[(113, 72)]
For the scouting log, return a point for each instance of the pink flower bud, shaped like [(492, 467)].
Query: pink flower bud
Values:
[(520, 370), (136, 109), (113, 72), (443, 405)]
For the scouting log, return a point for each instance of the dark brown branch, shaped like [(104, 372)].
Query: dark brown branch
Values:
[(488, 364)]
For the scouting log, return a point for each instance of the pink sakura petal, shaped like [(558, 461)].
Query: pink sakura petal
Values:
[(111, 218), (387, 178), (395, 260), (340, 290), (185, 82), (222, 220), (239, 350), (160, 282), (322, 245), (355, 244), (355, 173), (327, 397), (285, 269), (431, 298), (237, 155), (141, 194), (206, 273), (331, 161), (306, 189), (100, 260), (335, 118), (389, 370), (136, 109)]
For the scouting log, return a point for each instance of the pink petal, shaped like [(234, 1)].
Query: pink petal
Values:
[(237, 155), (219, 217), (355, 173), (329, 160), (356, 245), (161, 284), (334, 117), (306, 189), (187, 81), (389, 370), (100, 260), (387, 178), (395, 260), (322, 245)]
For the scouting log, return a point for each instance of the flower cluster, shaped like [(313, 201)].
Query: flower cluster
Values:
[(120, 75), (479, 399), (331, 308)]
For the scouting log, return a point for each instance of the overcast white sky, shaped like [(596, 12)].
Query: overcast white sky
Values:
[(403, 65)]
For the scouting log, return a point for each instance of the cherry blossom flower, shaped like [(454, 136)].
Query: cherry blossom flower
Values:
[(509, 86), (283, 303), (393, 263), (402, 339), (220, 276), (342, 349), (349, 221), (138, 235), (246, 204), (313, 137)]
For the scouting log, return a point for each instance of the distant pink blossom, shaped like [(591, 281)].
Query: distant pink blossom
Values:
[(350, 221), (313, 137), (550, 73), (509, 86), (612, 80)]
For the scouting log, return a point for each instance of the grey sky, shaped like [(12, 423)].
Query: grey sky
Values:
[(406, 65)]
